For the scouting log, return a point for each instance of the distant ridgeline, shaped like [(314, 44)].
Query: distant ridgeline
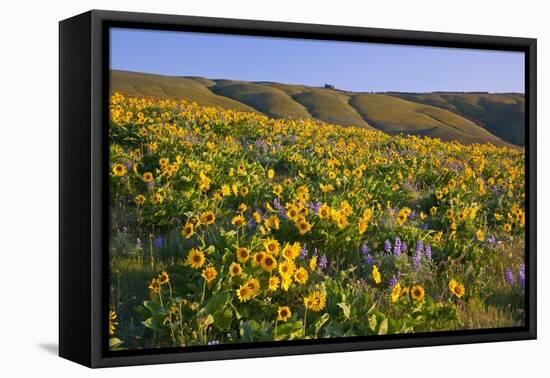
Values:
[(467, 117)]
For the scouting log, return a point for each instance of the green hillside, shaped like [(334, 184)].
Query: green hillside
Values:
[(187, 88), (271, 101), (332, 107), (394, 115), (467, 118), (501, 114)]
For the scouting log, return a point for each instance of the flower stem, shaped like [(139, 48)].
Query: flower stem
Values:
[(151, 250), (203, 291), (305, 320)]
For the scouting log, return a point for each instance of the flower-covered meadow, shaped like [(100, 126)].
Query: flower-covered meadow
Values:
[(231, 227)]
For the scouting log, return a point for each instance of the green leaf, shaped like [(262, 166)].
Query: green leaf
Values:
[(154, 308), (289, 330), (216, 303), (383, 327), (249, 330), (156, 322), (114, 343), (371, 309), (345, 309), (373, 321), (321, 322), (223, 319), (205, 321), (333, 330), (229, 234)]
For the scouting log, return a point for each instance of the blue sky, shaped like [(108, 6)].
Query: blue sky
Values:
[(346, 65)]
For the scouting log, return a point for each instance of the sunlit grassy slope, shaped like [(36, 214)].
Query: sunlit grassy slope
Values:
[(187, 88), (269, 100), (465, 117)]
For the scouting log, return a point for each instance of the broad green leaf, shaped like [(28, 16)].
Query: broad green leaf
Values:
[(345, 309), (206, 321), (254, 331), (154, 307), (321, 322), (114, 343), (288, 330), (156, 323), (223, 319), (216, 303), (373, 322), (383, 327)]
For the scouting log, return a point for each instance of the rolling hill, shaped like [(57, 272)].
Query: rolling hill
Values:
[(501, 114), (465, 117)]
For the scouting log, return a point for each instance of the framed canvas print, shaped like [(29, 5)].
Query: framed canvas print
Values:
[(233, 188)]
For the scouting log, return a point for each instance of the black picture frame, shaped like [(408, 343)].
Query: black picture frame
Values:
[(83, 195)]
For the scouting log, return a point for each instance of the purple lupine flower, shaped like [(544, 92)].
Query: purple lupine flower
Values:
[(424, 226), (315, 252), (158, 242), (251, 223), (277, 205), (412, 214), (403, 247), (387, 246), (397, 247), (492, 240), (367, 257), (509, 275), (150, 184), (417, 257), (261, 145), (128, 165), (521, 275), (428, 252), (393, 281), (303, 252), (314, 206), (323, 262), (369, 260)]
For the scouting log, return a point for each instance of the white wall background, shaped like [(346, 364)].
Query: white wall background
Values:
[(29, 189)]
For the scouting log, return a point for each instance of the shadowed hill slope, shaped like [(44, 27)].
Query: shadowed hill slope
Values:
[(394, 115), (465, 117), (501, 114)]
